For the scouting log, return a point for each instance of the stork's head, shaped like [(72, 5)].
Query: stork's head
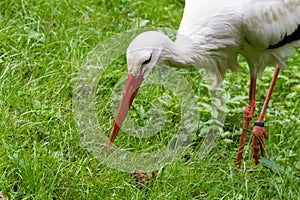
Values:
[(142, 54)]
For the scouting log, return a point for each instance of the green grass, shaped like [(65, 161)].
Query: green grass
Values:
[(42, 47)]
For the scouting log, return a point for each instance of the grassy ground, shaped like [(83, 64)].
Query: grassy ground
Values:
[(42, 46)]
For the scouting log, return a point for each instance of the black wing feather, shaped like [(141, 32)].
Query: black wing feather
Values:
[(287, 39)]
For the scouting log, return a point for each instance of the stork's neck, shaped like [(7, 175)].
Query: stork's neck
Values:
[(178, 54), (184, 53)]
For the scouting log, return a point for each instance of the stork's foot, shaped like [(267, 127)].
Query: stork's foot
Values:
[(259, 134), (248, 114)]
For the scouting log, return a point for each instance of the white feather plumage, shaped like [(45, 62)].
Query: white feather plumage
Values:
[(213, 33)]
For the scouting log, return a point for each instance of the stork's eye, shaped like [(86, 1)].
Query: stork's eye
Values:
[(147, 61)]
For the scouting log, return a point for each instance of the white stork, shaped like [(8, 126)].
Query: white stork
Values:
[(211, 35)]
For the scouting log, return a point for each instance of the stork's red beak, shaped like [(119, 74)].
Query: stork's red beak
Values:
[(132, 86)]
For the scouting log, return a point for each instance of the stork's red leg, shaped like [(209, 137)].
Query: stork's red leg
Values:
[(259, 132), (248, 115)]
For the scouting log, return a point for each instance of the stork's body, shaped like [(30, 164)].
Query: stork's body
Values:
[(219, 30), (211, 36)]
